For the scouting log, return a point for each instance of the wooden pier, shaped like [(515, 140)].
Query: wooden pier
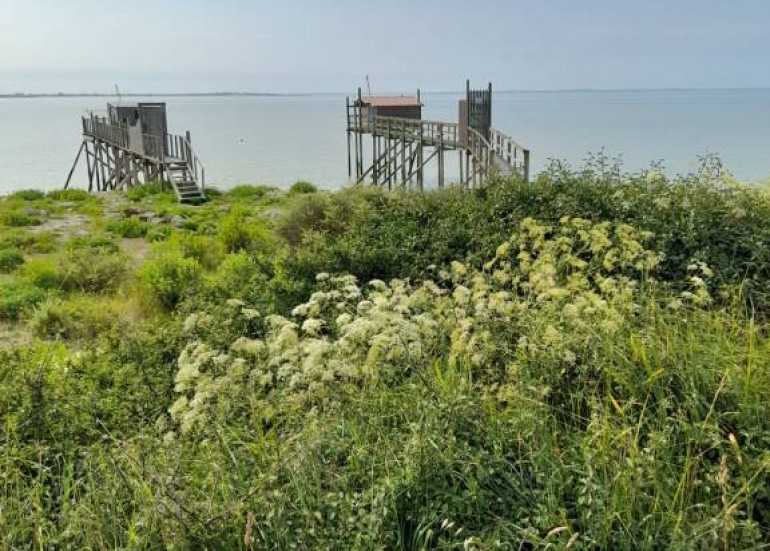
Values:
[(131, 146), (403, 145)]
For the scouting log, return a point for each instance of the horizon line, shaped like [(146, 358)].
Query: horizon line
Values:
[(32, 95)]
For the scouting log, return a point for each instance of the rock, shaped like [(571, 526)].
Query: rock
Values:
[(131, 211), (272, 213), (225, 208), (177, 221), (34, 212)]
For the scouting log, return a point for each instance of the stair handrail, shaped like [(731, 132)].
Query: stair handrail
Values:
[(510, 151), (180, 147)]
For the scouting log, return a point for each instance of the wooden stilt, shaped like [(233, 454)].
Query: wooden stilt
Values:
[(75, 164)]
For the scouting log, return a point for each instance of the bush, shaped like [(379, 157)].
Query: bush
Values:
[(239, 276), (103, 243), (299, 188), (131, 227), (331, 213), (168, 279), (27, 195), (213, 192), (73, 195), (92, 270), (159, 233), (17, 298), (10, 259), (137, 193), (239, 232), (43, 273), (206, 250), (18, 219), (74, 318), (40, 242), (248, 192)]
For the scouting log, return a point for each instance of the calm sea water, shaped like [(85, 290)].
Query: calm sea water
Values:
[(278, 140)]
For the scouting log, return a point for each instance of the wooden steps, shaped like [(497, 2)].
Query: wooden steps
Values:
[(183, 181)]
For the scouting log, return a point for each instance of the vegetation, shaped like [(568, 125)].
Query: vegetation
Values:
[(582, 362)]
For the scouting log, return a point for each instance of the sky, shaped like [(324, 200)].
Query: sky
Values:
[(328, 46)]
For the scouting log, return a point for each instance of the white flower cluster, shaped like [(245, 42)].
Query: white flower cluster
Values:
[(346, 333)]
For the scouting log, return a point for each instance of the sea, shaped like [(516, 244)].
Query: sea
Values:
[(277, 140)]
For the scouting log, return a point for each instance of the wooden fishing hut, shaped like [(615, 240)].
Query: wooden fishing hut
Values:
[(403, 144), (131, 145)]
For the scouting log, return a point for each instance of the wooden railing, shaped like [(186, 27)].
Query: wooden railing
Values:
[(179, 147), (511, 153), (154, 147), (481, 153), (432, 132), (102, 129)]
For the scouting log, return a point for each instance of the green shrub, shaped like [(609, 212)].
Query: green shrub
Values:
[(27, 195), (159, 233), (206, 250), (92, 270), (213, 192), (101, 243), (137, 193), (248, 192), (39, 242), (73, 195), (301, 187), (43, 273), (78, 317), (17, 298), (169, 278), (237, 231), (131, 227), (18, 219), (240, 276), (10, 259)]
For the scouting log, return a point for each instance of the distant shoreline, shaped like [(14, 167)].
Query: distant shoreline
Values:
[(34, 95), (22, 95)]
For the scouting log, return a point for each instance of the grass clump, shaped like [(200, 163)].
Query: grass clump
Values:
[(148, 190), (302, 187), (26, 241), (18, 219), (44, 273), (73, 195), (131, 227), (10, 260), (248, 192), (98, 243), (18, 298), (27, 195)]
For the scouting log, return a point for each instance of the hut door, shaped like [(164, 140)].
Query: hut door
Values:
[(153, 118)]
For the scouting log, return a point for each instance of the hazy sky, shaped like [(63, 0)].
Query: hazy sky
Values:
[(328, 46)]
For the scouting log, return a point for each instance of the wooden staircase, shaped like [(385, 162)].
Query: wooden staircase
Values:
[(184, 171), (183, 180)]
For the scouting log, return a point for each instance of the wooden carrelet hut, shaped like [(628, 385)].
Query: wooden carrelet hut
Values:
[(131, 145), (403, 144)]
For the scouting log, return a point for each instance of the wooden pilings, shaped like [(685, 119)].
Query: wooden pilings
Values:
[(110, 167)]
